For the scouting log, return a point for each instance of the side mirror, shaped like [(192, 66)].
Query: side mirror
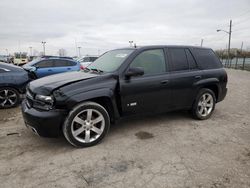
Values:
[(135, 71)]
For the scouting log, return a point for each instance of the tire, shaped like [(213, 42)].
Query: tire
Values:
[(204, 104), (9, 97), (86, 125)]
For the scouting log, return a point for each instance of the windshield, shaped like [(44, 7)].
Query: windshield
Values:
[(110, 61)]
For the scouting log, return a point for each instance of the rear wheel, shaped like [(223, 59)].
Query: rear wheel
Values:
[(204, 104), (86, 125), (9, 97)]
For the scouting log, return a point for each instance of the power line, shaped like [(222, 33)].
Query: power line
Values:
[(242, 21), (240, 29), (244, 13)]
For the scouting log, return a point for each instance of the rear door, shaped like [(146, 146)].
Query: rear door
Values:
[(64, 65), (149, 92), (184, 75)]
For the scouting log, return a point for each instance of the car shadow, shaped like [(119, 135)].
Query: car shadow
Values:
[(139, 121), (123, 125)]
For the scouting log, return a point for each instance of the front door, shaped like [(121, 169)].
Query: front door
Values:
[(149, 92)]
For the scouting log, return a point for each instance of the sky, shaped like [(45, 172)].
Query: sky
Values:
[(97, 26)]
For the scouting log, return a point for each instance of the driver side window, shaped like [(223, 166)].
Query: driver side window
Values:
[(45, 64), (152, 61)]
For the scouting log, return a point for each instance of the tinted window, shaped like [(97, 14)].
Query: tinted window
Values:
[(179, 59), (71, 63), (152, 61), (64, 63), (45, 64), (207, 59), (92, 59), (86, 59), (191, 61)]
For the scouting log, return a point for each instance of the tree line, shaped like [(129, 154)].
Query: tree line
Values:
[(234, 52)]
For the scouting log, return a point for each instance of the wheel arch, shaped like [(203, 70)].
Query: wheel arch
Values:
[(210, 83), (12, 86), (104, 97)]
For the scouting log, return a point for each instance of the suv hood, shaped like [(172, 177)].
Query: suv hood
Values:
[(47, 84)]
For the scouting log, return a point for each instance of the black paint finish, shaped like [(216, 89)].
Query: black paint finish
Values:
[(123, 96)]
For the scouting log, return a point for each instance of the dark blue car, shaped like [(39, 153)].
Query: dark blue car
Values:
[(13, 81), (47, 66)]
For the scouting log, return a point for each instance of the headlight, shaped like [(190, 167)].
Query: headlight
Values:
[(47, 99), (44, 102)]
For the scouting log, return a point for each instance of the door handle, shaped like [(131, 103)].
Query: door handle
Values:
[(197, 77), (164, 81), (69, 68), (50, 70)]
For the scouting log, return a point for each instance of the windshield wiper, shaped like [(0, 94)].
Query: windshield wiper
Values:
[(97, 70)]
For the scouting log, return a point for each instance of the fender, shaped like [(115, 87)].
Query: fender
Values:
[(207, 81), (92, 94), (19, 88)]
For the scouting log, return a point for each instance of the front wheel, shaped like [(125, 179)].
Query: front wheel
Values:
[(86, 125), (9, 97), (204, 104)]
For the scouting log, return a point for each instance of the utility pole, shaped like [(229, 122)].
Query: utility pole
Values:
[(229, 41), (241, 48), (30, 50), (76, 46), (201, 42), (79, 48), (43, 42)]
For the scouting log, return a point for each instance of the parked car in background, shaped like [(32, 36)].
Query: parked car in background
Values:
[(20, 58), (123, 82), (3, 58), (87, 60), (47, 66), (13, 80)]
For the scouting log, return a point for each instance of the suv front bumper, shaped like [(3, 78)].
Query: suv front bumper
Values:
[(43, 123)]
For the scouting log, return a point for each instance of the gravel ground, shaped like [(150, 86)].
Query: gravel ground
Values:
[(168, 150)]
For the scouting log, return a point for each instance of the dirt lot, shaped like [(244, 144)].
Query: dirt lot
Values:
[(169, 150)]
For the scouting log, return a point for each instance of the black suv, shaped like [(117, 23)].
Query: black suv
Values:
[(123, 82)]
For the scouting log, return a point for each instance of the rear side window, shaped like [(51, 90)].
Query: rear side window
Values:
[(71, 63), (191, 61), (64, 63), (207, 59), (179, 59)]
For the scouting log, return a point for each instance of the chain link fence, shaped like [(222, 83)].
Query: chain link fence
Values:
[(242, 63)]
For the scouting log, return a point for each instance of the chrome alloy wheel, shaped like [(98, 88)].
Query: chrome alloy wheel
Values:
[(205, 104), (8, 98), (87, 126)]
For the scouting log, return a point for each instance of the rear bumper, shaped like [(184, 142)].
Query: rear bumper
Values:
[(43, 123)]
